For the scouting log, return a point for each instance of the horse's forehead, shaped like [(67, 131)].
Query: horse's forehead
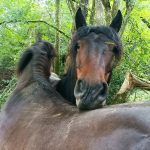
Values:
[(93, 43), (84, 31), (93, 39)]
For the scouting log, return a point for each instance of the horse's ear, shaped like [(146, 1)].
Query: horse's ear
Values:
[(23, 62), (79, 19), (117, 21)]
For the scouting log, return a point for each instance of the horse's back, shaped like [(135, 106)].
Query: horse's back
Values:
[(122, 127), (115, 128)]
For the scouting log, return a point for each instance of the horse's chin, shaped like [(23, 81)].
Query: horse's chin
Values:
[(90, 96), (95, 104)]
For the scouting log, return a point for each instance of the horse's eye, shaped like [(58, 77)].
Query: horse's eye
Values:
[(115, 50), (109, 71), (77, 46)]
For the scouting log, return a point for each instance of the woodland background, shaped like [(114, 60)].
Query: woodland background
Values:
[(22, 20)]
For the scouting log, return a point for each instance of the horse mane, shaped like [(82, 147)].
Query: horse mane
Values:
[(68, 80), (110, 34), (39, 56), (39, 48)]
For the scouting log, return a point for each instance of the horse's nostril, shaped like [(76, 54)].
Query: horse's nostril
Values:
[(103, 88), (81, 85), (80, 88), (80, 82)]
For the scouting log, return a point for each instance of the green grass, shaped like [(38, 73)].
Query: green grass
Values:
[(139, 95)]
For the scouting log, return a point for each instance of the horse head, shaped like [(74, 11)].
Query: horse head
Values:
[(95, 50)]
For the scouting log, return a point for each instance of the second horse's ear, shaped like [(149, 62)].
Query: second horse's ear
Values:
[(79, 19), (117, 21)]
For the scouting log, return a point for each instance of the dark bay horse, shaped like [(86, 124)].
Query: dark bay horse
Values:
[(94, 53), (36, 117)]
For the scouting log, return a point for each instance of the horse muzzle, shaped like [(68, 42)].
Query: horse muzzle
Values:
[(90, 96)]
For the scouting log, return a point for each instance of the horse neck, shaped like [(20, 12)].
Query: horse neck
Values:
[(66, 85)]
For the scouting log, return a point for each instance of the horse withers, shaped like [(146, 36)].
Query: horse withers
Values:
[(36, 117), (94, 53)]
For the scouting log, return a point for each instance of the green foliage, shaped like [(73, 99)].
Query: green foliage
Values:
[(17, 33), (8, 90), (139, 95), (136, 57)]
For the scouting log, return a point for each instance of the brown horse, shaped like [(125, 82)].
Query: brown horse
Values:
[(94, 53), (36, 117)]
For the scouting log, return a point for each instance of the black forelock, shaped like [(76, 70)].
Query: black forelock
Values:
[(109, 32), (39, 48)]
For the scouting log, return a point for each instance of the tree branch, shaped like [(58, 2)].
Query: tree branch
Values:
[(36, 21), (132, 81), (146, 22)]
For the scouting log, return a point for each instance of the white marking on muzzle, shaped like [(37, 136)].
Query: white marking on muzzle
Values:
[(104, 103), (77, 101)]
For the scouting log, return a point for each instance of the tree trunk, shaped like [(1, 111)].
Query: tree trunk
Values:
[(115, 7), (129, 6), (38, 36), (100, 13), (71, 7), (57, 37), (108, 16), (92, 15), (84, 5)]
